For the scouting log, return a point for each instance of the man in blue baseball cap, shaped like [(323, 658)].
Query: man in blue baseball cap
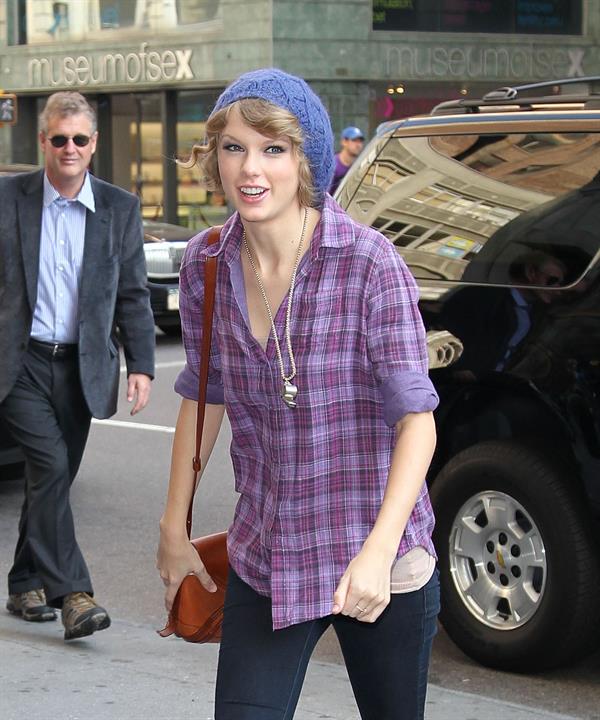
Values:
[(351, 145)]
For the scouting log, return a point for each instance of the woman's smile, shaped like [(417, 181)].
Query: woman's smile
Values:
[(253, 194)]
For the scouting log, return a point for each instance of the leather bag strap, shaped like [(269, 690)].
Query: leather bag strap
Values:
[(210, 284)]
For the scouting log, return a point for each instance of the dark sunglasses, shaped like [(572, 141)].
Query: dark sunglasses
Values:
[(59, 141)]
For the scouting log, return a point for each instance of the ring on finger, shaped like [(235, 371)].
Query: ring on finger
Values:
[(360, 610)]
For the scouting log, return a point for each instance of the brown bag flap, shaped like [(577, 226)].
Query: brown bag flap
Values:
[(197, 614)]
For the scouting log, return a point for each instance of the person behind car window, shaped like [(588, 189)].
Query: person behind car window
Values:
[(74, 248), (492, 322), (318, 337), (539, 269), (352, 141), (569, 331)]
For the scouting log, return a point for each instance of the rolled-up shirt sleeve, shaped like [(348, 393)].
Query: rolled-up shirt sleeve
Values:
[(407, 393), (187, 385), (396, 339), (191, 300)]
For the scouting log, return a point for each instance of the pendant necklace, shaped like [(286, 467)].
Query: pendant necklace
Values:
[(289, 390)]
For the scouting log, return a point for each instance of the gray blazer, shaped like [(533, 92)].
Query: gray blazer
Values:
[(113, 292)]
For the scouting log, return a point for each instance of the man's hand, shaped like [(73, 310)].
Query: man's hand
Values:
[(138, 389)]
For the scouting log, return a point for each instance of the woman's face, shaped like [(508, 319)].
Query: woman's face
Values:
[(259, 174)]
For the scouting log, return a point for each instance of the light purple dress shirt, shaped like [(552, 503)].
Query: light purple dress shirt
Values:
[(311, 479), (56, 314)]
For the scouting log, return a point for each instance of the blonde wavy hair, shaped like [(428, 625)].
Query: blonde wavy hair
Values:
[(267, 119)]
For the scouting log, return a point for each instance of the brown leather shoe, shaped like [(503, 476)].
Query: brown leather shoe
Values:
[(82, 616), (31, 606)]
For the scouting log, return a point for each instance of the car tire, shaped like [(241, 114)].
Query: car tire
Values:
[(170, 330), (519, 567)]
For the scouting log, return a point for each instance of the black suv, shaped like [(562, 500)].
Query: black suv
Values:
[(494, 204)]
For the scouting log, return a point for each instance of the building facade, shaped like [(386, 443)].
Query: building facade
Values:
[(153, 68)]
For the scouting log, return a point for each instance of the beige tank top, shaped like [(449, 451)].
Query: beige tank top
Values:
[(412, 571)]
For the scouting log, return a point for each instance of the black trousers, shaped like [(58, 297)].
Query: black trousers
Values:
[(48, 416)]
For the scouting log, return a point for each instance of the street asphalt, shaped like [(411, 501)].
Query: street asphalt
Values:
[(129, 673)]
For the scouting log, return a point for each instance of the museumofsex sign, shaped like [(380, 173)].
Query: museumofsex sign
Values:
[(142, 66), (483, 62)]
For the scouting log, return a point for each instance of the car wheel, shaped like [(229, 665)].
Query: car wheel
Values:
[(171, 330), (519, 568)]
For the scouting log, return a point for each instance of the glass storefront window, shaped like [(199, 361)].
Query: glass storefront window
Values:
[(196, 11), (146, 165), (551, 17), (115, 14), (16, 22), (137, 149), (197, 207), (52, 21), (138, 155)]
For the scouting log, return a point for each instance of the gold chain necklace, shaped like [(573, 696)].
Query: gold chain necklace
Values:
[(289, 390)]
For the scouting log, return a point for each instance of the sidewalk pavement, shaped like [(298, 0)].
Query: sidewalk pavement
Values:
[(129, 673)]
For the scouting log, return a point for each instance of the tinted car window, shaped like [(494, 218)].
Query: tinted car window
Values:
[(514, 209)]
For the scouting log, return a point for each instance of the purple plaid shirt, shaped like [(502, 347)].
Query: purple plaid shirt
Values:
[(311, 479)]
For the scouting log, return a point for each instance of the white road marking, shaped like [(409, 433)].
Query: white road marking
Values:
[(135, 425), (170, 364), (161, 366)]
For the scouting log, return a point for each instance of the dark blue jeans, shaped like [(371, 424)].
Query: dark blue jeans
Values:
[(261, 671)]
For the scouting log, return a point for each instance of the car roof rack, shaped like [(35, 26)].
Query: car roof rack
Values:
[(516, 98)]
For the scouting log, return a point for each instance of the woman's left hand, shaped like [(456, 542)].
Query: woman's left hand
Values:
[(364, 589)]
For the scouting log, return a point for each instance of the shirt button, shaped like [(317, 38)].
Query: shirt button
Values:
[(61, 267)]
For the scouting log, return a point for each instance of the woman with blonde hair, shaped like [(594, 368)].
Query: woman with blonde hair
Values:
[(319, 359)]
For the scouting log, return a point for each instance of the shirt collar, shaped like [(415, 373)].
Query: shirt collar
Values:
[(336, 228), (85, 196), (518, 298), (333, 230)]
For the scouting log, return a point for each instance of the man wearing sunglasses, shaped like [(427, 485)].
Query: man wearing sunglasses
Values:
[(72, 274)]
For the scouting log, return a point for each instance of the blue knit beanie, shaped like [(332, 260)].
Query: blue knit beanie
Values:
[(293, 94)]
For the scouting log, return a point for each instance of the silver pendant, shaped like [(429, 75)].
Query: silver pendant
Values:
[(289, 393)]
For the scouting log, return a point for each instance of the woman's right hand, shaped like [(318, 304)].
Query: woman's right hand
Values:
[(176, 558)]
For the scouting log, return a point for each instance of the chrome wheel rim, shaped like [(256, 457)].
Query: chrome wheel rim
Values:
[(497, 560)]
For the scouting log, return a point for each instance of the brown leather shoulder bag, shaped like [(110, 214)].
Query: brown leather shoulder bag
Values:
[(197, 614)]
